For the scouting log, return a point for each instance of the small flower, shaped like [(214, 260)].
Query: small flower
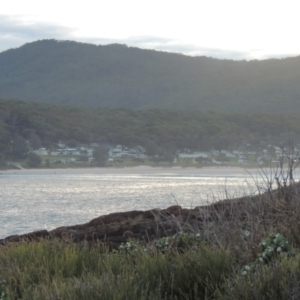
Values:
[(279, 249), (247, 268), (244, 273)]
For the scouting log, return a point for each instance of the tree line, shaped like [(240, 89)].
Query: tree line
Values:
[(29, 125)]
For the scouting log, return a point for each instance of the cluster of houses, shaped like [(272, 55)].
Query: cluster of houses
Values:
[(213, 155), (119, 151), (113, 152), (187, 157), (273, 154)]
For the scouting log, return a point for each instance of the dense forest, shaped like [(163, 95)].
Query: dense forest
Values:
[(25, 125), (117, 76)]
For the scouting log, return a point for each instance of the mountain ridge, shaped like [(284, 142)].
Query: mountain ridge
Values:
[(71, 73)]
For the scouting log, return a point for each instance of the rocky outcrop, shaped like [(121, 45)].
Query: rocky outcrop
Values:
[(116, 228)]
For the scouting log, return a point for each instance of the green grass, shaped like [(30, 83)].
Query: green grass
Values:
[(52, 270)]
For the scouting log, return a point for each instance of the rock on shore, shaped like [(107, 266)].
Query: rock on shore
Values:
[(116, 228)]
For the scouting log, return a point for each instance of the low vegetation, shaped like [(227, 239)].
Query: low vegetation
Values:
[(247, 248)]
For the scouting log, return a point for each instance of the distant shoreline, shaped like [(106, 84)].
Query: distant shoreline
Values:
[(139, 170)]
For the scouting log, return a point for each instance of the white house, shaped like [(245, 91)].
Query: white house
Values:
[(41, 151), (192, 156)]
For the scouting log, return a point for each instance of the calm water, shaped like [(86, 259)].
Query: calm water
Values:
[(33, 202)]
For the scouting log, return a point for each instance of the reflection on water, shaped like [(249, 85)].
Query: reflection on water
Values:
[(31, 202)]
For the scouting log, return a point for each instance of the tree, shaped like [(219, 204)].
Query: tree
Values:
[(72, 143), (152, 149), (2, 161), (83, 158), (100, 155), (19, 147), (47, 163), (33, 160), (5, 141), (34, 141)]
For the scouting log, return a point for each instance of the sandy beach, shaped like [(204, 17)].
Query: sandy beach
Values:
[(139, 170)]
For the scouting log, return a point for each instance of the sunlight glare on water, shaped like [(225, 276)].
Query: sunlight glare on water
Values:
[(34, 202)]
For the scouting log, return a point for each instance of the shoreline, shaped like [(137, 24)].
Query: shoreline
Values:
[(139, 170)]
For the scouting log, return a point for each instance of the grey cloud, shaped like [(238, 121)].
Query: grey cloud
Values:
[(14, 32), (174, 46)]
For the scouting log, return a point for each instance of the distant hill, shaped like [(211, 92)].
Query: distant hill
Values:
[(66, 72)]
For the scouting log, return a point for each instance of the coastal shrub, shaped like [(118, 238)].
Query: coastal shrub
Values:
[(130, 246), (180, 241), (3, 294), (271, 247), (278, 280), (33, 160), (53, 270)]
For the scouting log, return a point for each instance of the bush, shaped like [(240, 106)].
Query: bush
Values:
[(52, 270), (275, 281), (33, 160)]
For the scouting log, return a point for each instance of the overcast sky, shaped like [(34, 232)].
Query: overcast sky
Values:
[(232, 29)]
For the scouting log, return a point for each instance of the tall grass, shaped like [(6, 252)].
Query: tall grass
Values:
[(52, 270)]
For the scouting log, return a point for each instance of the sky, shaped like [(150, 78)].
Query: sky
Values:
[(225, 29)]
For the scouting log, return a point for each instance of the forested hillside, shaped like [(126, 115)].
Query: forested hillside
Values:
[(28, 124), (65, 72)]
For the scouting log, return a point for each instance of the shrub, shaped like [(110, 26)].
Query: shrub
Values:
[(53, 270), (279, 280), (33, 160)]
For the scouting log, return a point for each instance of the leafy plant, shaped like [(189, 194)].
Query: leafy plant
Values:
[(3, 293), (272, 246)]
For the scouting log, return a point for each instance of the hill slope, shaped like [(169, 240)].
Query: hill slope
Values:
[(118, 76)]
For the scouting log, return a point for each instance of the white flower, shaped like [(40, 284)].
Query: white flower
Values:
[(244, 273), (247, 268), (279, 249)]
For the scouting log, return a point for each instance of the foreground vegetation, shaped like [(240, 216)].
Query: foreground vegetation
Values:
[(246, 248)]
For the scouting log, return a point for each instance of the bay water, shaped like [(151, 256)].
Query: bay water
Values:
[(43, 201)]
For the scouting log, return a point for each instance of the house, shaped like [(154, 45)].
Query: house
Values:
[(94, 145), (61, 145), (89, 152), (228, 154), (215, 152), (41, 151), (191, 157), (216, 162), (70, 151), (242, 161), (54, 153)]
